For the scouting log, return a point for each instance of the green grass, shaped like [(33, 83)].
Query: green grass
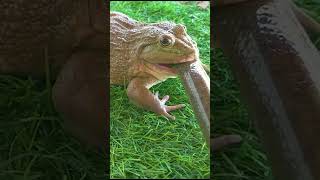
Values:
[(33, 144), (144, 145), (247, 162)]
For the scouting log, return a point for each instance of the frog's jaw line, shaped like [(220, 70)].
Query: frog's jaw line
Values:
[(164, 68)]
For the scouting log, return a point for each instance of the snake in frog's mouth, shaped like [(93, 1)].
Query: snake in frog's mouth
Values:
[(168, 67)]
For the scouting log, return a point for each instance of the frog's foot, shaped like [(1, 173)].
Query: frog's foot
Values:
[(164, 110), (225, 140)]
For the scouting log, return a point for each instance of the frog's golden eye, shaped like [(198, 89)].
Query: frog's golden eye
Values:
[(166, 40)]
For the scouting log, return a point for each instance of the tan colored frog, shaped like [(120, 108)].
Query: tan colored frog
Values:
[(142, 55)]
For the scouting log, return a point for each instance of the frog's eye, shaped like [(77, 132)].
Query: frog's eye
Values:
[(166, 40)]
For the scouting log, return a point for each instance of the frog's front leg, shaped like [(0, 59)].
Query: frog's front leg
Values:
[(139, 93)]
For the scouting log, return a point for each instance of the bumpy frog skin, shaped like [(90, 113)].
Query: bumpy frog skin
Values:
[(142, 55)]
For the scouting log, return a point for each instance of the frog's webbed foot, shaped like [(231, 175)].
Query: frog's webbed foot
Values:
[(223, 141), (164, 110), (139, 94)]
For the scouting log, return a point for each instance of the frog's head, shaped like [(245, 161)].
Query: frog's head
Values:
[(167, 44)]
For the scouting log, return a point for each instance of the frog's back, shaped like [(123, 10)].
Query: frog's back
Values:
[(120, 31), (120, 19)]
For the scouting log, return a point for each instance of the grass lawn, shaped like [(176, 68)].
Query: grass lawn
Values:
[(33, 144), (144, 145)]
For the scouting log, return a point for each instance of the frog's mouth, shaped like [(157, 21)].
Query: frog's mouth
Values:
[(167, 67)]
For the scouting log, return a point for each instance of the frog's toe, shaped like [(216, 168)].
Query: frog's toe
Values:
[(164, 109), (175, 107), (167, 115), (165, 99)]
